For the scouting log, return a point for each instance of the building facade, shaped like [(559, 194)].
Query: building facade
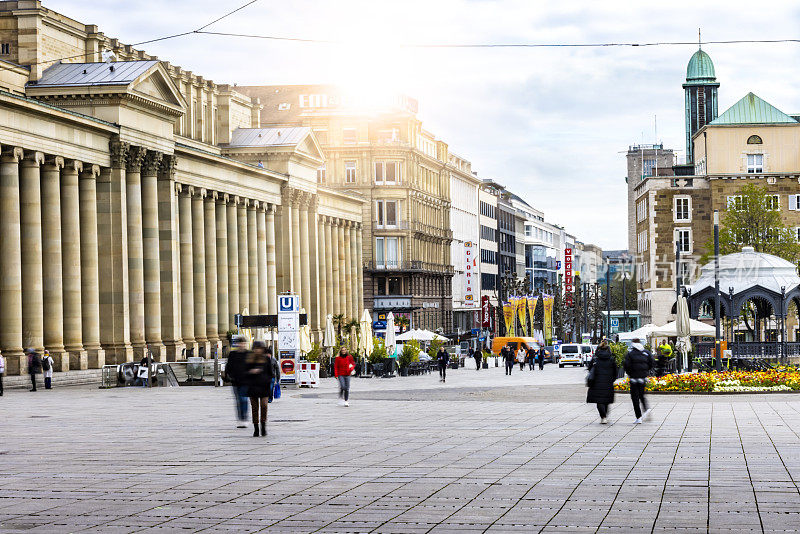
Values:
[(464, 214), (138, 212)]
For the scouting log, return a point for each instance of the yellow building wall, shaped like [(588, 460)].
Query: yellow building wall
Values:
[(728, 149)]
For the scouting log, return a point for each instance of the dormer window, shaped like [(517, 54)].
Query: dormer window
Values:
[(754, 140)]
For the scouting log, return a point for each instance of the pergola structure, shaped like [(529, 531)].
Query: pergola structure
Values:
[(760, 285)]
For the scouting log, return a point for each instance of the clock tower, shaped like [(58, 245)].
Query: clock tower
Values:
[(701, 97)]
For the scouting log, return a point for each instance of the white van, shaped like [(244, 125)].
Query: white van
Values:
[(587, 353), (570, 355)]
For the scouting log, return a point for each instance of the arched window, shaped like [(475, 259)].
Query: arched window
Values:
[(754, 140)]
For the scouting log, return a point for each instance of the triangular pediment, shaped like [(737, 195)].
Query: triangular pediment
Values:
[(156, 85), (310, 147)]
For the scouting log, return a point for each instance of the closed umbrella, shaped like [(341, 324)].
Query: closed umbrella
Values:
[(305, 340), (390, 341), (365, 343), (329, 339), (683, 329)]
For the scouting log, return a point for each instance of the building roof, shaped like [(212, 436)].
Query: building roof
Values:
[(700, 68), (747, 269), (752, 110), (254, 137), (83, 74)]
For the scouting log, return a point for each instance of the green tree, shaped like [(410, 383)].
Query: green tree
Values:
[(750, 220)]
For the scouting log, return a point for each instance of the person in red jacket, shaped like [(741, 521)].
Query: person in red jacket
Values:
[(343, 367)]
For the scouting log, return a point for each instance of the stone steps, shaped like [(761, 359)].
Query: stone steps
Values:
[(69, 378)]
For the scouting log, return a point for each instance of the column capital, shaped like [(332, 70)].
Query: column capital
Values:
[(271, 208), (151, 162), (225, 197), (73, 165), (56, 161), (33, 158), (13, 152), (198, 192), (118, 150), (255, 204), (245, 202), (167, 166), (213, 196), (90, 172), (290, 194), (134, 157)]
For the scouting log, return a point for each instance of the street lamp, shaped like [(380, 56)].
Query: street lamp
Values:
[(717, 346), (624, 300)]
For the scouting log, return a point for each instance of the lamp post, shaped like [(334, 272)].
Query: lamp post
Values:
[(624, 301), (783, 325), (586, 307), (717, 346), (608, 299)]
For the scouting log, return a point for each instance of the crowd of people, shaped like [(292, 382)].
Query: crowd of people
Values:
[(522, 356)]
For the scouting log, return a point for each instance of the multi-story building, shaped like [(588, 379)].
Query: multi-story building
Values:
[(404, 172), (751, 142), (488, 195), (141, 207), (464, 214), (643, 161)]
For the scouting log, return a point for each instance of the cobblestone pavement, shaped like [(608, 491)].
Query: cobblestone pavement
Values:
[(483, 453)]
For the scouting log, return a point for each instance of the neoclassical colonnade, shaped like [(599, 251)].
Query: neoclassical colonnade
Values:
[(99, 264)]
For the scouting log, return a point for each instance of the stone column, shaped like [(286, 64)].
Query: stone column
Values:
[(112, 225), (169, 259), (71, 265), (305, 260), (336, 248), (360, 265), (354, 268), (252, 257), (53, 301), (224, 319), (210, 218), (332, 281), (297, 269), (272, 291), (134, 160), (244, 262), (151, 259), (187, 266), (90, 271), (10, 263), (283, 241), (261, 224), (199, 269), (322, 271), (233, 257), (314, 252), (31, 251), (343, 309), (348, 269)]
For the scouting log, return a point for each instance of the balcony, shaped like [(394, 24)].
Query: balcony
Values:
[(401, 225), (444, 233), (408, 266)]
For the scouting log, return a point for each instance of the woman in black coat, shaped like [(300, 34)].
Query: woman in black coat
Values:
[(603, 369), (259, 377)]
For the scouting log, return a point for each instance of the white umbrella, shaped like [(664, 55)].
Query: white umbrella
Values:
[(365, 343), (696, 328), (390, 341), (420, 335), (329, 340), (305, 339), (683, 327), (643, 332)]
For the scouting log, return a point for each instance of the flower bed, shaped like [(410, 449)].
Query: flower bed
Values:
[(736, 381)]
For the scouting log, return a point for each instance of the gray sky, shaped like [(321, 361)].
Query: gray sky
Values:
[(550, 124)]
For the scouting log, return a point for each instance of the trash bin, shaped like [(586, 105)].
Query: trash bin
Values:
[(194, 368)]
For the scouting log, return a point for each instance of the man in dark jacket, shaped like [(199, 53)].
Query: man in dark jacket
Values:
[(442, 358), (236, 372), (478, 355), (508, 358), (638, 364), (530, 355), (602, 373), (34, 366)]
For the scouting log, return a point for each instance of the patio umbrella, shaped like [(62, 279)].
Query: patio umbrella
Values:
[(365, 343), (643, 332), (683, 328), (420, 335), (390, 342), (696, 328), (305, 339), (329, 339)]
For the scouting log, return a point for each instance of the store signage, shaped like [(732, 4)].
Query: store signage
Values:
[(470, 272), (568, 276), (486, 312)]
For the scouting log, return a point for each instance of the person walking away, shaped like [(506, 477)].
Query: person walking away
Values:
[(442, 358), (638, 364), (478, 355), (343, 367), (2, 372), (34, 366), (259, 380), (602, 373), (541, 355), (276, 374), (508, 359), (664, 355), (47, 367), (235, 373)]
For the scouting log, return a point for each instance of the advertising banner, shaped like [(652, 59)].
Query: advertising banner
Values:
[(532, 301), (522, 313), (548, 316), (508, 318), (486, 312), (568, 277), (470, 273)]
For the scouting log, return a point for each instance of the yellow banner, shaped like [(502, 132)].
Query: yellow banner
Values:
[(532, 301), (523, 315), (508, 317), (548, 317)]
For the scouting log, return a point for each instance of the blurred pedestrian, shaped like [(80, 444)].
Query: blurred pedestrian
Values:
[(34, 366), (235, 373), (343, 368), (47, 367), (542, 354), (530, 356), (638, 364), (442, 358), (508, 358), (478, 355), (276, 374), (521, 357), (259, 380), (602, 373), (2, 372)]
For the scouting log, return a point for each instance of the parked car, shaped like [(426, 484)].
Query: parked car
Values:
[(570, 355), (550, 354), (587, 352)]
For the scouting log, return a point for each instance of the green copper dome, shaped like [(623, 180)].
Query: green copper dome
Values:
[(700, 68)]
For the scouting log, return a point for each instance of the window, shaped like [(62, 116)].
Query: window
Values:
[(5, 49), (322, 136), (797, 233), (641, 241), (380, 252), (386, 213), (350, 172), (737, 203), (387, 172), (754, 140), (684, 272), (389, 135), (641, 210), (794, 202), (755, 163), (682, 209), (321, 174), (387, 252), (773, 202), (649, 167), (528, 230), (683, 236), (349, 136)]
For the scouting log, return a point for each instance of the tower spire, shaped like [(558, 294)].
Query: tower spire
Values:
[(699, 40)]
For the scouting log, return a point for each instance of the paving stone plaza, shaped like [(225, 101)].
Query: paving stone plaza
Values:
[(483, 453)]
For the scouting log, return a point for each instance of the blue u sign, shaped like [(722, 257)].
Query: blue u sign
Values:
[(287, 303)]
